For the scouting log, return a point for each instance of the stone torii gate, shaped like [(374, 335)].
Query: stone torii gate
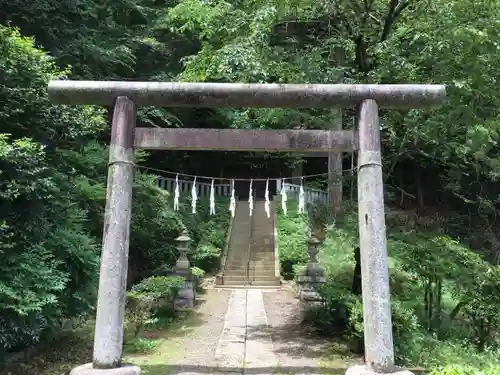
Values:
[(108, 340)]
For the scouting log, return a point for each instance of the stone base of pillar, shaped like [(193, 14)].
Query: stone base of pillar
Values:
[(186, 297), (307, 288), (362, 370), (88, 369), (219, 279)]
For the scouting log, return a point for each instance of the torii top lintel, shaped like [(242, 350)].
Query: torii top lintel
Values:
[(238, 95)]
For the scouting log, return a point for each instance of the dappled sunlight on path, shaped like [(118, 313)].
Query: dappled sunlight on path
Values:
[(254, 332)]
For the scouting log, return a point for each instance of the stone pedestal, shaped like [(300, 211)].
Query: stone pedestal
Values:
[(187, 295), (313, 276), (308, 287), (88, 369)]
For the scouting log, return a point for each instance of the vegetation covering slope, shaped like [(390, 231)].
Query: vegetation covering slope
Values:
[(445, 310), (53, 172)]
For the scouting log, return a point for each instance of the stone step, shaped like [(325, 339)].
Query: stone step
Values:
[(221, 286), (261, 258), (266, 264), (239, 241), (244, 275), (261, 248), (255, 257), (253, 275), (254, 283), (253, 263), (237, 263), (259, 264), (244, 268), (244, 278), (251, 248), (243, 261)]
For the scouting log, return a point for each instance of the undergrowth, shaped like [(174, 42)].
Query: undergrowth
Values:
[(150, 309), (444, 304)]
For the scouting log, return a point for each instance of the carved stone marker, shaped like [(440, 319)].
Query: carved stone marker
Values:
[(186, 296)]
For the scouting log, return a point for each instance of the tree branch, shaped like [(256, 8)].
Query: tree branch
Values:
[(395, 9)]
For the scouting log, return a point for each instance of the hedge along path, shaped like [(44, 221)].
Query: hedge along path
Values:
[(379, 348)]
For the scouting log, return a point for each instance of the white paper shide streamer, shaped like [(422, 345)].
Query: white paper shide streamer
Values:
[(232, 201), (212, 198), (302, 200), (176, 193), (268, 203), (250, 198), (194, 197), (283, 198)]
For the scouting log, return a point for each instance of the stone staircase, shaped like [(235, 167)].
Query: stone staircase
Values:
[(250, 260)]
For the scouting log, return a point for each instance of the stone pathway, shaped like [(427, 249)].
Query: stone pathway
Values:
[(243, 331), (246, 342)]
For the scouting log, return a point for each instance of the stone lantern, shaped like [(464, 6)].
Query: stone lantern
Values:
[(186, 296), (314, 269), (182, 263), (313, 276)]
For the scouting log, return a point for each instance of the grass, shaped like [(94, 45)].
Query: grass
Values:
[(337, 357), (152, 351), (157, 348)]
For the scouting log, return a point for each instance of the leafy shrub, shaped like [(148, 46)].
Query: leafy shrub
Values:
[(333, 317), (293, 233), (433, 353), (149, 299), (49, 259), (443, 296), (154, 228), (466, 370), (206, 256), (209, 235), (141, 346), (198, 274)]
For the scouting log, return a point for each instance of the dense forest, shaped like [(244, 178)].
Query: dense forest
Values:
[(441, 166)]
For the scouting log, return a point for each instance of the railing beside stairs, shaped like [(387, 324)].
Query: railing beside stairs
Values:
[(202, 188), (310, 195), (224, 190)]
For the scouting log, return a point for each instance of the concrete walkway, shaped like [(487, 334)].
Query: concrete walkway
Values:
[(246, 340), (245, 332)]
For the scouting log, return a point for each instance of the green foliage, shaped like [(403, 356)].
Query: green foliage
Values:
[(141, 346), (466, 370), (198, 274), (53, 165), (208, 232), (147, 301), (50, 261), (52, 197), (444, 307), (293, 233), (154, 228)]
